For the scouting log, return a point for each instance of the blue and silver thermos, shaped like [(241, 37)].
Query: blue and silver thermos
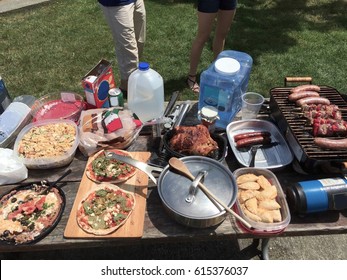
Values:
[(318, 195)]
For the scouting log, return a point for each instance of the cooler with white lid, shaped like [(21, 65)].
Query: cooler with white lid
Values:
[(223, 83)]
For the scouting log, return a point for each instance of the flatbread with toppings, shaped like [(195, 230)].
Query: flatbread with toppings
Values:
[(105, 209), (103, 169), (28, 213)]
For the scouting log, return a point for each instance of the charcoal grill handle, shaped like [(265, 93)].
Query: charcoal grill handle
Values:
[(297, 80)]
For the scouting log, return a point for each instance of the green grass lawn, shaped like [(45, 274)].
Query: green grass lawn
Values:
[(50, 47)]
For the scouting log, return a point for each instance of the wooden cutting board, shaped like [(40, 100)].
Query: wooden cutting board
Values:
[(134, 225)]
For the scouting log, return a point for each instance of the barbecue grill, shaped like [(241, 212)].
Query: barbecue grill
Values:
[(299, 134)]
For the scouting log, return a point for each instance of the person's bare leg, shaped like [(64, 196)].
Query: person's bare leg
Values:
[(205, 24), (224, 21)]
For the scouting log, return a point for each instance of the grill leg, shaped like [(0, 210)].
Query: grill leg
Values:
[(265, 248)]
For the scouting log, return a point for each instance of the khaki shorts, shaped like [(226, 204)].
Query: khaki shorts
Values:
[(128, 27)]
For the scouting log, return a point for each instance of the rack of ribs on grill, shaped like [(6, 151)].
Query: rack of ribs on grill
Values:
[(192, 140)]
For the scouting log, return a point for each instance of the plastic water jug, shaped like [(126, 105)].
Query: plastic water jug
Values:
[(146, 93), (223, 83)]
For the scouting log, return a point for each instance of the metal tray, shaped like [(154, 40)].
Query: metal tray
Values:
[(273, 157)]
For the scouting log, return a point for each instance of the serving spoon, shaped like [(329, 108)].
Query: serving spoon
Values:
[(180, 166)]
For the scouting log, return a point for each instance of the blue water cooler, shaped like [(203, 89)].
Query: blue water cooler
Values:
[(223, 83)]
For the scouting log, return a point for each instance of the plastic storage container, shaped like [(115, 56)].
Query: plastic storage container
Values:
[(146, 93), (51, 151), (59, 105), (223, 83), (262, 227)]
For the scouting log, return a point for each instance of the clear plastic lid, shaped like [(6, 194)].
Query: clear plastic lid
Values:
[(227, 66)]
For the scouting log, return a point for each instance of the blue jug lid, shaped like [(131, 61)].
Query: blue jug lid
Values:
[(227, 66), (143, 66)]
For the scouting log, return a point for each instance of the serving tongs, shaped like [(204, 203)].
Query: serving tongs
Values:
[(146, 168), (48, 186), (254, 149)]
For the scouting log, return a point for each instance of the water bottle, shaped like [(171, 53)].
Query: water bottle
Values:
[(223, 83), (146, 93), (5, 99)]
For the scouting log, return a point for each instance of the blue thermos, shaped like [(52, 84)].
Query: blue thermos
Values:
[(318, 195)]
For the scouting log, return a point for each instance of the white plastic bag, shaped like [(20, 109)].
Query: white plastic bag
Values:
[(11, 169)]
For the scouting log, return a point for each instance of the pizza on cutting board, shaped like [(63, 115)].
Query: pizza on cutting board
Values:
[(104, 169), (104, 209)]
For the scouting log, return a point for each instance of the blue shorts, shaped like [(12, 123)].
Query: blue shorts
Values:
[(212, 6)]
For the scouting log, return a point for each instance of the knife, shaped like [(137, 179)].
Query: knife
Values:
[(148, 169)]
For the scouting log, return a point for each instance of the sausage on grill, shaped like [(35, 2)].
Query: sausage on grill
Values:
[(305, 87), (302, 94), (312, 100), (333, 144)]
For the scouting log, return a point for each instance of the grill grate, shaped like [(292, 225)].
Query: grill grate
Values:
[(298, 132)]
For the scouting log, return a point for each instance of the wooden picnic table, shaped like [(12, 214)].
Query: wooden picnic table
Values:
[(158, 226)]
